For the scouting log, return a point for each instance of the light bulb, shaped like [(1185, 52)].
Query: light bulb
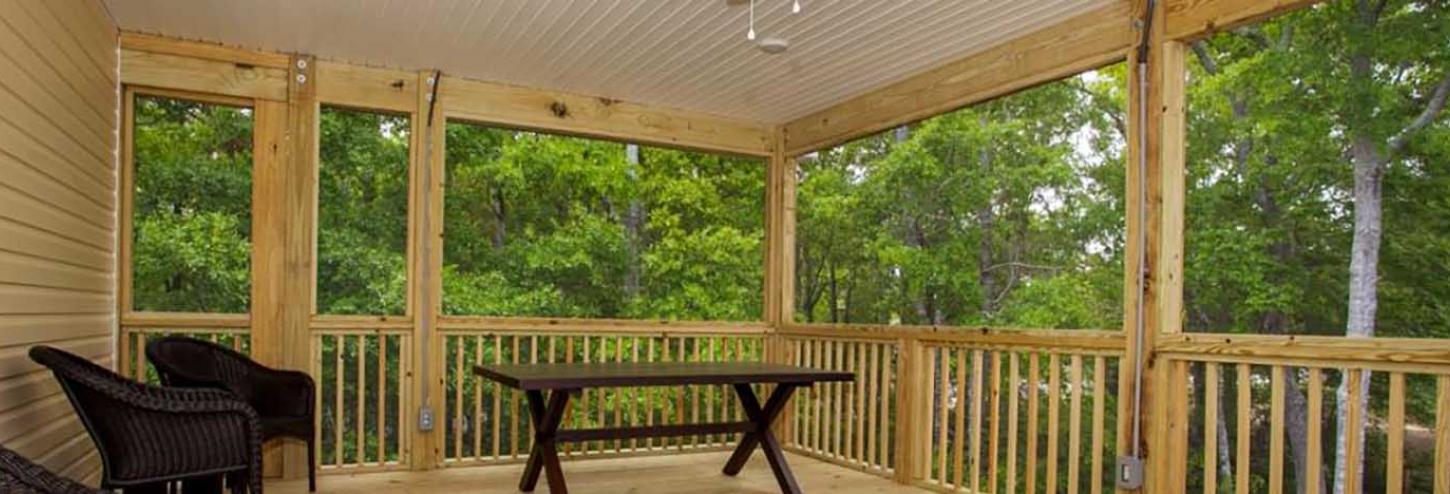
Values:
[(795, 8), (751, 34)]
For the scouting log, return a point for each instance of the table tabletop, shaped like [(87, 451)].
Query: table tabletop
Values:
[(545, 376)]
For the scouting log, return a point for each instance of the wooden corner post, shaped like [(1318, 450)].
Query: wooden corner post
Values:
[(779, 285), (1153, 278), (780, 187), (427, 176)]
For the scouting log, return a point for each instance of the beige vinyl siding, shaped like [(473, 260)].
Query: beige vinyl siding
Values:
[(58, 176)]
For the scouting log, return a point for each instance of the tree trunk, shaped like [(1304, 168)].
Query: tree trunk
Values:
[(1225, 453), (986, 218), (500, 219), (1368, 161), (633, 224), (1363, 299)]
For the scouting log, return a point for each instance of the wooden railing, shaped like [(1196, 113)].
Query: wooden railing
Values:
[(947, 408), (483, 422), (363, 383), (846, 423), (1233, 401)]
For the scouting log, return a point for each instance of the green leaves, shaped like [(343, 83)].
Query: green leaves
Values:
[(191, 217), (948, 224), (542, 225)]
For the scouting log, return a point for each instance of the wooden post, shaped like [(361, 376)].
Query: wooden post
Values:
[(913, 412), (300, 199), (779, 285), (780, 183), (426, 227), (1155, 207)]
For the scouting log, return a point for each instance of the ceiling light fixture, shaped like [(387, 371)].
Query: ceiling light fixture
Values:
[(769, 45)]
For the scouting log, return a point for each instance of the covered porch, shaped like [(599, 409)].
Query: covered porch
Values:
[(170, 169)]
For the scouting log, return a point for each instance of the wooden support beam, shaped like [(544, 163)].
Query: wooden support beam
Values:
[(205, 51), (1187, 19), (567, 113), (368, 88), (160, 62), (1090, 40), (167, 71)]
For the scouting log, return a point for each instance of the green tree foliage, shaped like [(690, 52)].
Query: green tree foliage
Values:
[(362, 235), (1007, 213), (191, 212), (543, 225)]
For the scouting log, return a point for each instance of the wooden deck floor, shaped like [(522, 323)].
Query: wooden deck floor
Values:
[(697, 473)]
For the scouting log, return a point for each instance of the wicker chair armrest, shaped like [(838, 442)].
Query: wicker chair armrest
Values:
[(283, 392)]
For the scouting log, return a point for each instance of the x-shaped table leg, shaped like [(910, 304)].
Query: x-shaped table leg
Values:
[(762, 436), (545, 455)]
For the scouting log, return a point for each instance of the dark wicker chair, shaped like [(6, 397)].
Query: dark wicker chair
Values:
[(19, 476), (149, 436), (284, 399)]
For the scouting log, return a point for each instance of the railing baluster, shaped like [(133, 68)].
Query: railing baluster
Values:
[(358, 399), (1315, 424), (1074, 427), (959, 442), (1442, 437), (1395, 462), (459, 376), (382, 410), (1353, 441), (943, 382), (1100, 395), (1210, 428), (1015, 385), (338, 427), (1276, 430), (873, 384), (1034, 382), (1244, 414), (497, 394), (1054, 405)]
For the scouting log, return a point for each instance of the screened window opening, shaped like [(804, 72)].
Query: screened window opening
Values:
[(553, 226), (362, 234), (191, 206)]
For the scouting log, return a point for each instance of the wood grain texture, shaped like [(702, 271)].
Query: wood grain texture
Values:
[(567, 113), (1087, 41), (150, 69), (1187, 19), (691, 473)]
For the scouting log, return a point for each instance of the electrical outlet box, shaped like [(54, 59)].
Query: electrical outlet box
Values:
[(1129, 473), (425, 419)]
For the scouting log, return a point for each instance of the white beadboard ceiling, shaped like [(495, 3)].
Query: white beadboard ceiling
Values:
[(688, 54)]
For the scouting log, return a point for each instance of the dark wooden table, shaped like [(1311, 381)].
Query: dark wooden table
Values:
[(562, 380)]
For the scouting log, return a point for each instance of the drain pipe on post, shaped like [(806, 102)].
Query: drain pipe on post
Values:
[(1130, 468), (425, 323)]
